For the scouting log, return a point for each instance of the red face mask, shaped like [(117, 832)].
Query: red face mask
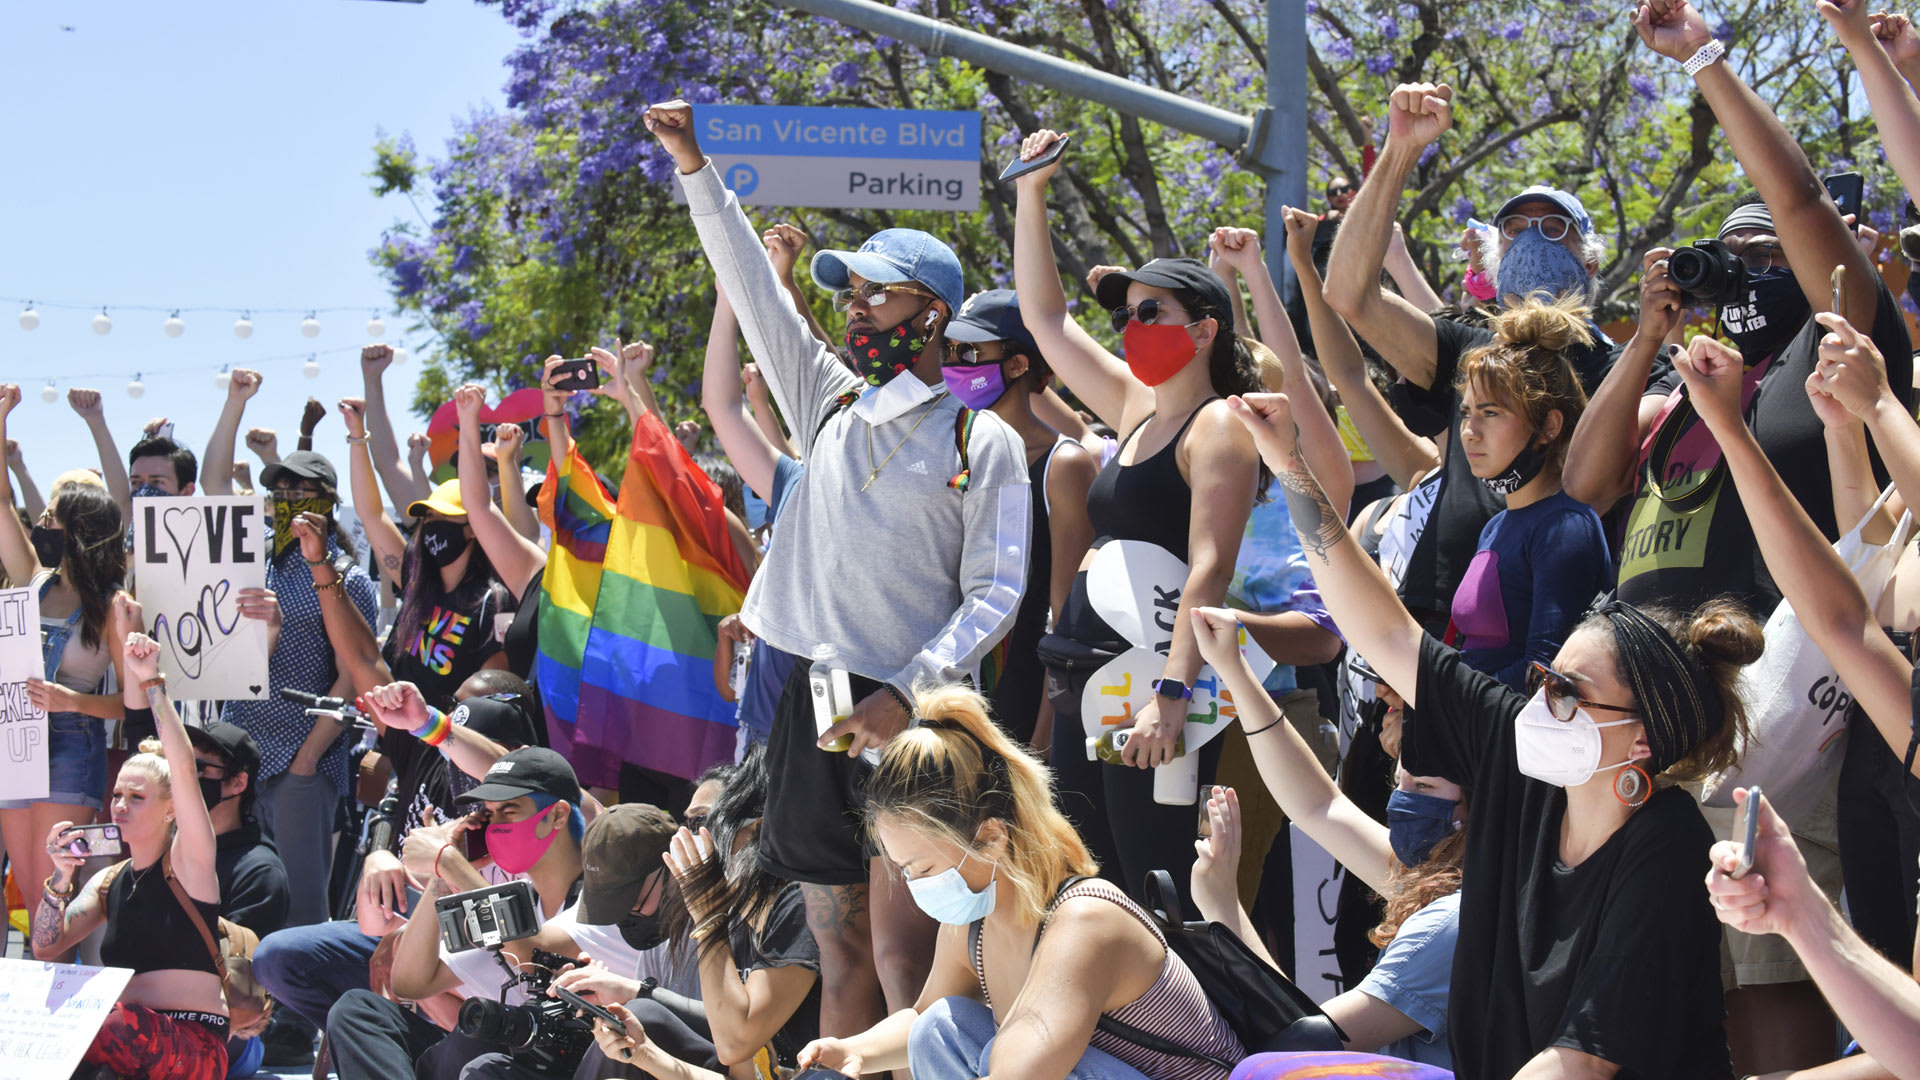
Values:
[(1157, 352)]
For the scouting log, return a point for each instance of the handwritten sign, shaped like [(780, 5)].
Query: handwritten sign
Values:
[(49, 1014), (193, 557), (23, 725)]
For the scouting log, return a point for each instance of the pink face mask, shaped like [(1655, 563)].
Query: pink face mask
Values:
[(516, 847)]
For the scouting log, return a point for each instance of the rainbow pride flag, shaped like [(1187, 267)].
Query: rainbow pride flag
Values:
[(633, 592)]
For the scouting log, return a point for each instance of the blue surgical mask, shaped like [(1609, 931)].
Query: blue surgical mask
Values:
[(1534, 264), (946, 898), (1416, 822)]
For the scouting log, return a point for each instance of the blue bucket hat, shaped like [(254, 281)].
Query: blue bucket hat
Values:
[(893, 256)]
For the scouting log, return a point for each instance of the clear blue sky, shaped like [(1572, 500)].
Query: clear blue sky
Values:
[(211, 153)]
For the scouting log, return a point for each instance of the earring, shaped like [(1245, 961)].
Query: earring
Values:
[(1631, 786)]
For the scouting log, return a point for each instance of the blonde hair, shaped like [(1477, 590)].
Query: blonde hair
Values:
[(957, 771), (151, 762)]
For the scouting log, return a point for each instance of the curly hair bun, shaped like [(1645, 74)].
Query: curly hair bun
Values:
[(1555, 325)]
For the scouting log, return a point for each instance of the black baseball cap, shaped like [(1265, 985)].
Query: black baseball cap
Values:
[(622, 849), (993, 315), (232, 742), (304, 464), (501, 721), (530, 770), (1191, 275)]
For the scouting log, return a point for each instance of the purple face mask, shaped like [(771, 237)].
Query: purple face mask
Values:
[(976, 385)]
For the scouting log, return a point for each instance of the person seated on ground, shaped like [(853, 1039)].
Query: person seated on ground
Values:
[(1589, 947), (170, 1023), (533, 828), (1874, 999), (759, 967), (1413, 861), (1032, 950)]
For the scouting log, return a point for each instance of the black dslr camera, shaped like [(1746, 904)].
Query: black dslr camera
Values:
[(543, 1033), (1708, 274)]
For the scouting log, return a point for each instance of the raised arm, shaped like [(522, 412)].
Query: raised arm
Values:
[(1320, 439), (1417, 115), (1825, 597), (389, 546), (742, 440), (1371, 617), (382, 449), (1095, 375), (30, 497), (112, 469), (216, 465), (1606, 443), (1404, 455), (1307, 795), (1804, 218), (515, 558)]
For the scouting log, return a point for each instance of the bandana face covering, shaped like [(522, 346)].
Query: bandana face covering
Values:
[(976, 385), (285, 510), (1157, 352), (878, 360)]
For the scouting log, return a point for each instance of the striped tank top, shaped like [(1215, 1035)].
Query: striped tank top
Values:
[(1173, 1008)]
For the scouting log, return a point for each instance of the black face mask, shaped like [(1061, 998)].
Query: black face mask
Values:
[(1775, 310), (443, 542), (642, 932), (49, 545)]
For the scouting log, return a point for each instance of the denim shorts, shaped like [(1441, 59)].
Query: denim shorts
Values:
[(77, 763)]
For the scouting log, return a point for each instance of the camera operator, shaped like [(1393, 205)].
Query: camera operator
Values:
[(533, 827)]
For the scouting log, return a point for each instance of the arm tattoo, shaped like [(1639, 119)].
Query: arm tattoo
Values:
[(49, 922), (1314, 518)]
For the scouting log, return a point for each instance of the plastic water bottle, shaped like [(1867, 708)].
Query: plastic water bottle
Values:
[(832, 695)]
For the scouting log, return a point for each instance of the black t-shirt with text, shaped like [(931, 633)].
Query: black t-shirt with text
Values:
[(1465, 504), (1618, 957), (1688, 538)]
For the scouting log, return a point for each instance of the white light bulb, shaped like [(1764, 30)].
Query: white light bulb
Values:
[(376, 328), (243, 327), (221, 378), (102, 324), (136, 387), (399, 355), (309, 327), (173, 326), (29, 319), (48, 394), (311, 369)]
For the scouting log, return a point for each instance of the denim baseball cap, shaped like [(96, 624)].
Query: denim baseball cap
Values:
[(891, 256), (1564, 200), (993, 315)]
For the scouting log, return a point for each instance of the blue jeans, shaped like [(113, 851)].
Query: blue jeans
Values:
[(953, 1039), (308, 968)]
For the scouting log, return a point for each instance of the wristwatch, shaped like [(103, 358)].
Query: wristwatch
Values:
[(1173, 688)]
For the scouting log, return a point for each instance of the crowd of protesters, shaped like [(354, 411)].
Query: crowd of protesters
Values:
[(1495, 608)]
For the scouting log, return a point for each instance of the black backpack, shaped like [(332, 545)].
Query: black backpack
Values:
[(1266, 1011)]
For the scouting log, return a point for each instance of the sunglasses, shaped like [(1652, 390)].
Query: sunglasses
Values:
[(874, 294), (1552, 226), (1563, 696), (1146, 312)]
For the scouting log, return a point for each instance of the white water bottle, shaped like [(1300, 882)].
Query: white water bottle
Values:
[(832, 695)]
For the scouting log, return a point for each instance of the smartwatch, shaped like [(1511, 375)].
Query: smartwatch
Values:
[(1173, 688)]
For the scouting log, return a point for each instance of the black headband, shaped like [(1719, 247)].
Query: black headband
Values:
[(1680, 705)]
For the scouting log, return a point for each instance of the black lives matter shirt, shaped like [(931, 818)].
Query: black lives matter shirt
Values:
[(1687, 536), (1465, 505), (1618, 957)]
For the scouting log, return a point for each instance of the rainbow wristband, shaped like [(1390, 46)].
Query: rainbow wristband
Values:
[(436, 729)]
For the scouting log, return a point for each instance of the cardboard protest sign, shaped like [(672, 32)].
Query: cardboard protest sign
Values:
[(23, 726), (192, 557), (49, 1014)]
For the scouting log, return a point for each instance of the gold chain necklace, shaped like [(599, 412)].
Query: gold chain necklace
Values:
[(875, 474)]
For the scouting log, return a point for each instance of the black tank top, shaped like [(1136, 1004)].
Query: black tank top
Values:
[(1147, 500), (1016, 696), (148, 930)]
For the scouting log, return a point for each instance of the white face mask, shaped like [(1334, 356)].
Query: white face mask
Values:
[(1564, 754)]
